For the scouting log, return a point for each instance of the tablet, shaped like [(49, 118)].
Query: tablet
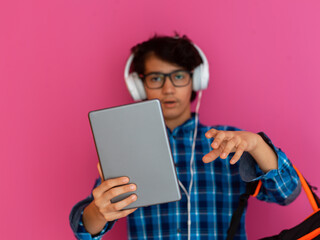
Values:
[(131, 140)]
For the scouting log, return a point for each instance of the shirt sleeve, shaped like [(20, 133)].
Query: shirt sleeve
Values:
[(75, 219), (280, 185)]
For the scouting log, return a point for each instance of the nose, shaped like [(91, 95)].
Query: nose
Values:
[(168, 86)]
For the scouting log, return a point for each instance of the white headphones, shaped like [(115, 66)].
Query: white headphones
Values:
[(135, 86)]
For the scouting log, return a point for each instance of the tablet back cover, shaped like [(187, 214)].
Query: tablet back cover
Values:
[(131, 140)]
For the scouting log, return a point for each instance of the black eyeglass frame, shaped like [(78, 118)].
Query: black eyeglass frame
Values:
[(165, 75)]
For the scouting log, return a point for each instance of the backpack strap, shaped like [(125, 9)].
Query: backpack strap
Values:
[(252, 188), (257, 190), (312, 197)]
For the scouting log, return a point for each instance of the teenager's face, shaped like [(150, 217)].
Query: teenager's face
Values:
[(175, 101)]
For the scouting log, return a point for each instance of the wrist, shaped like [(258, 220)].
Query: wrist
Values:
[(92, 219), (264, 155), (96, 212), (258, 141)]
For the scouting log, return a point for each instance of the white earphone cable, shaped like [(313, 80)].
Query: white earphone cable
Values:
[(188, 193)]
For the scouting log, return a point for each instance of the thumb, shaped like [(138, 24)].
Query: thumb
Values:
[(100, 171)]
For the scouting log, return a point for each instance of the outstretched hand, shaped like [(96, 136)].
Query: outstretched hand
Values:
[(226, 142)]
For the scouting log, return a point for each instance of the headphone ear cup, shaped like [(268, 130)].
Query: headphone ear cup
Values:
[(135, 87), (200, 78), (196, 78), (204, 76), (201, 72)]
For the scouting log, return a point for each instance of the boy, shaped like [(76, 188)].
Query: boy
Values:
[(225, 158)]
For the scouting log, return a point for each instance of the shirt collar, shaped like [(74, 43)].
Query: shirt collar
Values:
[(186, 126)]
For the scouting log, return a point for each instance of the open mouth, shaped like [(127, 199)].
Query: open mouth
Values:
[(169, 103)]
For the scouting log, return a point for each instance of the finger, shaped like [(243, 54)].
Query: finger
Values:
[(116, 191), (230, 147), (125, 202), (211, 133), (220, 138), (111, 216), (100, 171), (108, 184), (211, 156), (103, 202), (125, 213), (217, 140), (240, 150)]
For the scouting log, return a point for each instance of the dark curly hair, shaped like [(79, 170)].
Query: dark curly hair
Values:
[(176, 50)]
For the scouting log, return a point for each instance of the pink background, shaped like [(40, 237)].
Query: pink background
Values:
[(60, 59)]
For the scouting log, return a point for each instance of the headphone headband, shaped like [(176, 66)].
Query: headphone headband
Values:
[(135, 86)]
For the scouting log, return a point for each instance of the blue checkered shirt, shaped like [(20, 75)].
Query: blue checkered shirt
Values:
[(215, 193)]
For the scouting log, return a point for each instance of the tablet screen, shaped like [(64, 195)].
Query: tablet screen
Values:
[(131, 140)]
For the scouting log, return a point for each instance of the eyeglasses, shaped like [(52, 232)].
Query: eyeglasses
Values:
[(179, 78)]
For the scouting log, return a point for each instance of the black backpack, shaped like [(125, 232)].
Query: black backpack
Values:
[(308, 229)]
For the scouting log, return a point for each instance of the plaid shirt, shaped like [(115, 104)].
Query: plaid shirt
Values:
[(215, 192)]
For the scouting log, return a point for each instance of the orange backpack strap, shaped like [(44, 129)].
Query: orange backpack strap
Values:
[(253, 189), (313, 199), (311, 235), (257, 190)]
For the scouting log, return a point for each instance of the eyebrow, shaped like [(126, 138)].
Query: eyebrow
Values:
[(164, 72)]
